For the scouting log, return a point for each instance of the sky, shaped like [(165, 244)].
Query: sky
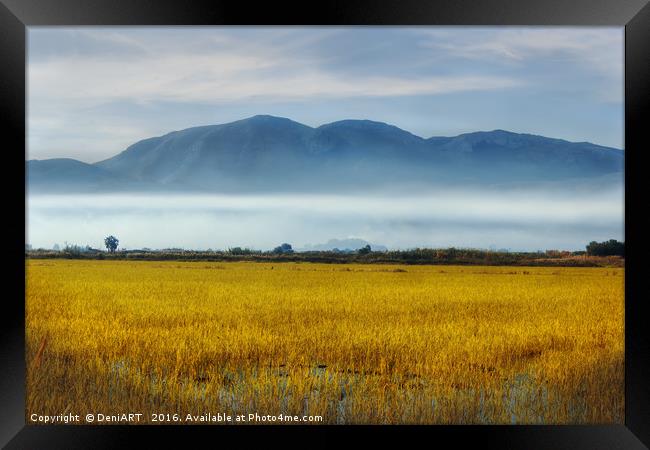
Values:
[(94, 91)]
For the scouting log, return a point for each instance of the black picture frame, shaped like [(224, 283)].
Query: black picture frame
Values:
[(16, 15)]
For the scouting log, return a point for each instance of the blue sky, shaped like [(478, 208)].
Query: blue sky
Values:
[(93, 91)]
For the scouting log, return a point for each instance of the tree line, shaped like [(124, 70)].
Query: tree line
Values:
[(284, 252)]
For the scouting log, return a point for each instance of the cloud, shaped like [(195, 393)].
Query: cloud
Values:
[(224, 76), (594, 48)]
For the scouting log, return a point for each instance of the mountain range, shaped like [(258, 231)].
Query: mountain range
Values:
[(342, 245), (266, 153)]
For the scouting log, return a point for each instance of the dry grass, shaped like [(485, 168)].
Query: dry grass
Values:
[(353, 343)]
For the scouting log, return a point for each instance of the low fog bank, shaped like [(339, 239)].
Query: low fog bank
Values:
[(514, 219)]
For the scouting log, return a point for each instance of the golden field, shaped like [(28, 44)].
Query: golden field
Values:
[(355, 344)]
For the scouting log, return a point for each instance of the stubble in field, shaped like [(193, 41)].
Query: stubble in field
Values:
[(352, 343)]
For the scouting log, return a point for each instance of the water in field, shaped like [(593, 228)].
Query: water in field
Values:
[(515, 220)]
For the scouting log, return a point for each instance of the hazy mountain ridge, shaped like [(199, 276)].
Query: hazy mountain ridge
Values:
[(348, 244), (62, 172), (271, 153)]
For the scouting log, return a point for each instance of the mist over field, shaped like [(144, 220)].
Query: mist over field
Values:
[(522, 219)]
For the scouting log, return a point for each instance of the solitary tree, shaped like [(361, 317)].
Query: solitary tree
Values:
[(111, 243)]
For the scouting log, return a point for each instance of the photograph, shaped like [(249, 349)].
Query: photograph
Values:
[(325, 225)]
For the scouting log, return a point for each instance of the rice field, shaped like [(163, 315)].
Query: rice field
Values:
[(354, 344)]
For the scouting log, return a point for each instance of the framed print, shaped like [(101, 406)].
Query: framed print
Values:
[(413, 217)]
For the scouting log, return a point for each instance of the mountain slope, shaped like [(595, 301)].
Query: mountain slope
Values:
[(265, 153), (501, 154), (61, 173), (212, 153)]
